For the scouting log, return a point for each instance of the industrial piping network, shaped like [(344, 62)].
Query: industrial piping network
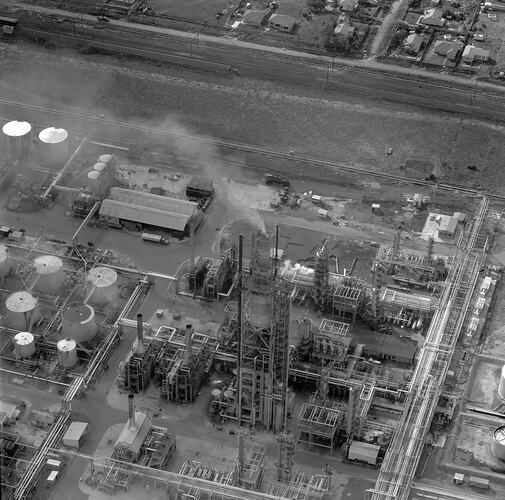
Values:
[(403, 455)]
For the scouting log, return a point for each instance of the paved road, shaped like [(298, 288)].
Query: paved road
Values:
[(448, 95)]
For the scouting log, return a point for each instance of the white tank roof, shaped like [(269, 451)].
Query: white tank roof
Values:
[(66, 345), (48, 264), (21, 302), (53, 135), (105, 158), (93, 175), (23, 338), (99, 166), (16, 129), (102, 276), (4, 253)]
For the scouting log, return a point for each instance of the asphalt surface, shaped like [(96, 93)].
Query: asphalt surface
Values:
[(200, 53)]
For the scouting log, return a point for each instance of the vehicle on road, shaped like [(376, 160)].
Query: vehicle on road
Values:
[(154, 238)]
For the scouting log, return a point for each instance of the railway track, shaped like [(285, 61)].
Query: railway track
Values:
[(104, 123)]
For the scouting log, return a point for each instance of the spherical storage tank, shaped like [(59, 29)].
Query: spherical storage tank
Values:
[(50, 274), (78, 322), (67, 352), (18, 138), (102, 285), (22, 311), (53, 147), (5, 263), (24, 345), (498, 443)]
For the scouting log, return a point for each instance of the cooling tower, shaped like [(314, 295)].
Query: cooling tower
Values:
[(5, 263), (53, 147), (67, 353), (78, 322), (50, 274), (22, 311), (102, 285), (18, 139)]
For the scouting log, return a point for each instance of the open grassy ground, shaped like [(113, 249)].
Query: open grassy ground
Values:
[(328, 125), (198, 10)]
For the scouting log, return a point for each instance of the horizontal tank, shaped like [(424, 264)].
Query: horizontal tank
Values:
[(5, 262), (53, 147), (498, 443), (50, 274), (78, 322), (17, 137), (24, 345), (102, 286), (22, 311), (67, 353)]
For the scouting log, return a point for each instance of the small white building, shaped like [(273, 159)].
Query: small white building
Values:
[(8, 413), (75, 434)]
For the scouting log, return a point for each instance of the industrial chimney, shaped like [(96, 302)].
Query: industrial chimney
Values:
[(187, 341), (139, 348), (131, 412)]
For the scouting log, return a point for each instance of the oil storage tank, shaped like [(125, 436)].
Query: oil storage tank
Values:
[(5, 263), (498, 443), (102, 286), (17, 137), (501, 384), (67, 353), (94, 181), (22, 311), (24, 345), (78, 322), (50, 274), (53, 147)]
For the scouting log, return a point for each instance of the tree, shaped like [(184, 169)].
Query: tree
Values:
[(316, 5)]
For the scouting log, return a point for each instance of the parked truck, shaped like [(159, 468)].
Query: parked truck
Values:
[(154, 238)]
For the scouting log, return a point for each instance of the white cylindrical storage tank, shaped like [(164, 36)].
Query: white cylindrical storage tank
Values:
[(24, 345), (102, 285), (498, 443), (93, 182), (106, 158), (78, 322), (99, 166), (67, 353), (5, 263), (22, 311), (50, 274), (501, 385), (18, 138), (53, 147)]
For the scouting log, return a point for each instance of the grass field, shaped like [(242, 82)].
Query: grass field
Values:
[(198, 10), (338, 127)]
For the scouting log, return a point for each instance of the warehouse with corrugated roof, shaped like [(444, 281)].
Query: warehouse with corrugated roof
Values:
[(150, 210)]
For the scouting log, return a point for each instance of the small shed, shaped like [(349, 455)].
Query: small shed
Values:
[(200, 187), (459, 478), (364, 452), (479, 482), (53, 476), (75, 434), (322, 213), (376, 207), (315, 198)]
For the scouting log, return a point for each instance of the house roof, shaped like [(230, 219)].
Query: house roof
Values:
[(348, 4), (365, 449), (448, 224), (283, 20), (133, 437), (413, 42), (255, 17), (165, 203), (144, 215), (200, 183), (471, 51), (344, 29), (447, 48), (432, 16)]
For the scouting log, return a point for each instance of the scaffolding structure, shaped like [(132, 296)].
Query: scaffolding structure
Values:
[(402, 457), (331, 342), (285, 461), (219, 275), (301, 487), (343, 301), (264, 343), (194, 469), (137, 370), (318, 424)]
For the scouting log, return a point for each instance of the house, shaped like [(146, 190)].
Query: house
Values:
[(348, 5), (344, 29), (282, 23), (472, 54), (412, 43), (255, 18), (447, 48), (432, 17), (447, 226)]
